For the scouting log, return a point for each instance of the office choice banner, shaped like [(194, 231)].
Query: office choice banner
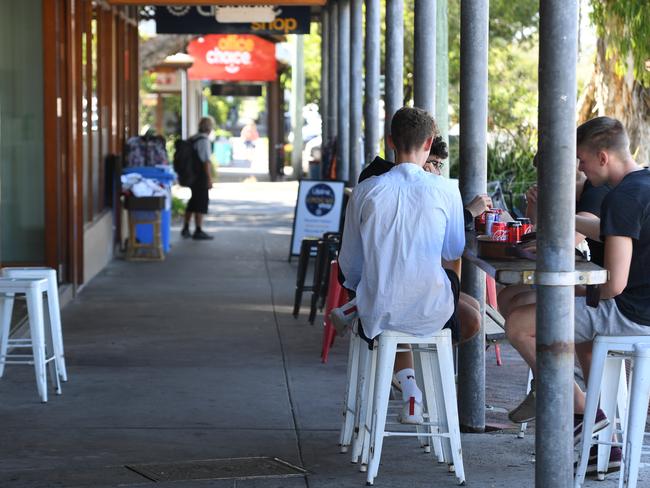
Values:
[(232, 57), (203, 20)]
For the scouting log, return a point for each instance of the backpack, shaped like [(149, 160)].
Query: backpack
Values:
[(187, 164)]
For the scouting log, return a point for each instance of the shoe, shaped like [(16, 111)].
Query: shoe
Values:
[(600, 423), (199, 235), (525, 412), (343, 316), (411, 412), (614, 465), (185, 233)]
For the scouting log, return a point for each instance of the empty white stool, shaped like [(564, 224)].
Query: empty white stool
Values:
[(348, 426), (437, 366), (40, 340), (637, 415), (53, 311), (607, 384)]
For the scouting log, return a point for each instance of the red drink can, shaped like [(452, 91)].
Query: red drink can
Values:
[(526, 226), (500, 231), (514, 232)]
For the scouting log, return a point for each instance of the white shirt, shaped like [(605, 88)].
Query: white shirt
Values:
[(397, 228)]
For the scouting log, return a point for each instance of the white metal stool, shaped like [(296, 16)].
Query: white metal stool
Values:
[(607, 383), (53, 310), (40, 340), (437, 366), (637, 416)]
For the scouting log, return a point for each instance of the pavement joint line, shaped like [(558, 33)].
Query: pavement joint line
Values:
[(265, 253)]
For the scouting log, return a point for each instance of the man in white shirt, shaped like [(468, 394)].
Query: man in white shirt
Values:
[(398, 228)]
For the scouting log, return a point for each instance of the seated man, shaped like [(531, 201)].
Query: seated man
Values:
[(624, 227), (469, 312), (588, 201), (398, 228)]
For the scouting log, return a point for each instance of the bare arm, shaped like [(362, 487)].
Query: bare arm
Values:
[(454, 265), (588, 225), (208, 172), (531, 204), (618, 256)]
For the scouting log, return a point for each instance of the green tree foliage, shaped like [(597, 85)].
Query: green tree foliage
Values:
[(512, 67), (625, 24), (312, 64)]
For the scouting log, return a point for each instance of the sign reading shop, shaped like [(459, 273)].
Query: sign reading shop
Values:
[(232, 57), (204, 20), (318, 210)]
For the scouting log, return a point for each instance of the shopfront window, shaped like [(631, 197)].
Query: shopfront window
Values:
[(22, 212)]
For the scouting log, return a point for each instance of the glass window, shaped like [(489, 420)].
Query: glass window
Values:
[(22, 211)]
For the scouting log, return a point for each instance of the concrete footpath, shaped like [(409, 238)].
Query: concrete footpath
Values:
[(198, 357)]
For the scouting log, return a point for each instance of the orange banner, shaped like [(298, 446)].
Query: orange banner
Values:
[(232, 57)]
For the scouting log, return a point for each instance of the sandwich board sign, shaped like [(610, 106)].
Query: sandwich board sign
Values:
[(318, 210)]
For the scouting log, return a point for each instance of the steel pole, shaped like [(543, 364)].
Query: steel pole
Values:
[(394, 65), (473, 181), (298, 102), (424, 56), (333, 109), (343, 146), (442, 73), (372, 61), (356, 89), (324, 73), (555, 244)]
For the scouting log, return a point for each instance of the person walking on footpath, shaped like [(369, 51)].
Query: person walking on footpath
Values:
[(398, 228), (198, 203)]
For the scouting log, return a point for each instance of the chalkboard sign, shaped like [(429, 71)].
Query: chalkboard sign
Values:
[(318, 210)]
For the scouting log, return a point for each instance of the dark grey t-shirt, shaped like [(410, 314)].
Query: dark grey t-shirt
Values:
[(203, 147), (626, 212)]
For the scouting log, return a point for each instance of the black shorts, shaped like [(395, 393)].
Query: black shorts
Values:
[(453, 323), (200, 199)]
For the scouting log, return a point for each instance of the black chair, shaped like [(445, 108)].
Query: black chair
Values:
[(328, 248), (308, 247)]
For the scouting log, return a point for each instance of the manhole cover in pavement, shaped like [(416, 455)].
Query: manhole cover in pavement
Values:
[(213, 469)]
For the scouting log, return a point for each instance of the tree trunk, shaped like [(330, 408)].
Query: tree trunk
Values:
[(621, 97)]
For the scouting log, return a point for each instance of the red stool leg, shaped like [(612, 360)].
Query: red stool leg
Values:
[(334, 297), (491, 291)]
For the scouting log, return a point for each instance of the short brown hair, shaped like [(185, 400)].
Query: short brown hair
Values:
[(206, 124), (411, 127), (603, 133)]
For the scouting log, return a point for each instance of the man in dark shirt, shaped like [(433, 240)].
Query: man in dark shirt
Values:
[(624, 227)]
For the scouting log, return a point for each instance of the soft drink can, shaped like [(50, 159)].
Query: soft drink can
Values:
[(499, 232), (514, 232), (526, 226), (490, 219)]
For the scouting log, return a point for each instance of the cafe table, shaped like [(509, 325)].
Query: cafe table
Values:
[(520, 271), (510, 271)]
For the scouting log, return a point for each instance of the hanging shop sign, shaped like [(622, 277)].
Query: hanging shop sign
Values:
[(261, 19), (318, 210), (235, 90), (167, 81), (232, 57)]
